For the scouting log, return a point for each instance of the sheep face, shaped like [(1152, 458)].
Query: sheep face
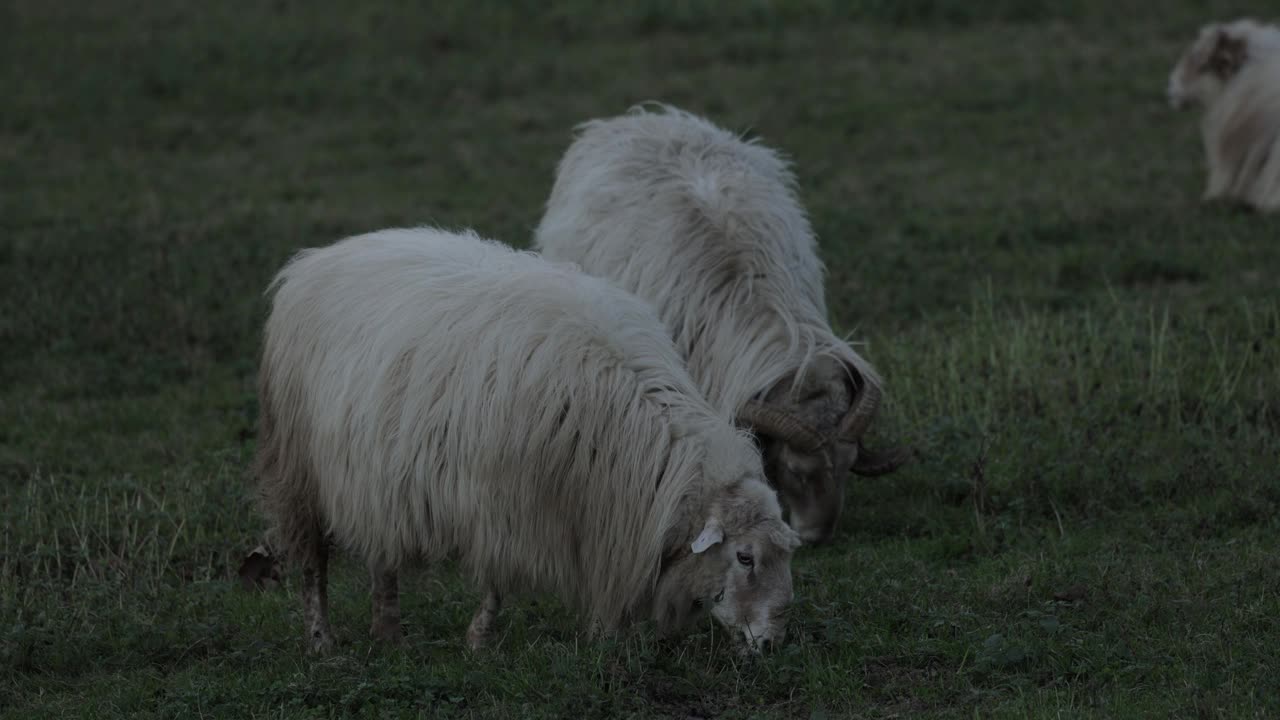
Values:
[(738, 567), (810, 482), (1215, 57)]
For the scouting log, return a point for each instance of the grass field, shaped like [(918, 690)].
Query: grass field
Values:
[(1087, 357)]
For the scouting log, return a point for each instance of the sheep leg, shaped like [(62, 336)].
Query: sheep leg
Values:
[(1217, 188), (599, 629), (315, 593), (1219, 180), (480, 631), (386, 607)]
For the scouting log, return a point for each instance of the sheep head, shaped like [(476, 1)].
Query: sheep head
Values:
[(735, 563), (811, 433), (1216, 56)]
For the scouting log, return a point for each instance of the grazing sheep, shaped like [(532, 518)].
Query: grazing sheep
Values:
[(707, 227), (426, 394), (1233, 71)]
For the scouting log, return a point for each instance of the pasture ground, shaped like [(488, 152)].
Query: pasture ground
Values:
[(1086, 356)]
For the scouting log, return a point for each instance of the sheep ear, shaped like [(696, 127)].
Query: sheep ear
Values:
[(786, 538), (710, 535), (1227, 56), (1202, 49)]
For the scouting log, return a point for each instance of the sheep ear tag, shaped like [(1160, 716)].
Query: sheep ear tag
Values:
[(710, 535)]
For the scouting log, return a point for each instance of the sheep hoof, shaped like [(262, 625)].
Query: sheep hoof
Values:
[(477, 642), (387, 632), (480, 633), (321, 643)]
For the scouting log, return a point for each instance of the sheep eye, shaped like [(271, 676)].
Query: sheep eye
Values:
[(719, 596), (746, 560)]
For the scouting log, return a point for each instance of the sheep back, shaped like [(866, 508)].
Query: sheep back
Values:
[(708, 227)]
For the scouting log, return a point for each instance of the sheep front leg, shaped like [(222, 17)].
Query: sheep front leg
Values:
[(480, 631), (1216, 190), (386, 607), (1220, 176), (315, 593), (599, 629)]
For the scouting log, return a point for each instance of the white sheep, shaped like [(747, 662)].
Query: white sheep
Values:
[(707, 227), (1232, 70), (426, 394)]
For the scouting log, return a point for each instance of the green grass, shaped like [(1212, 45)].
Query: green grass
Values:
[(1087, 358)]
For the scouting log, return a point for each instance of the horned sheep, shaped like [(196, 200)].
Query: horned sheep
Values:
[(1232, 70), (707, 227), (425, 394)]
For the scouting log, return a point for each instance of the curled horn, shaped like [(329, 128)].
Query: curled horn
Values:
[(781, 424), (866, 401)]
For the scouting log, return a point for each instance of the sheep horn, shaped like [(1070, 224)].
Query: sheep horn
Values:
[(871, 463), (779, 423), (861, 411)]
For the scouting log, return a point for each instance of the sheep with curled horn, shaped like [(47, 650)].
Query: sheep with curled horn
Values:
[(425, 394), (707, 227), (1232, 70)]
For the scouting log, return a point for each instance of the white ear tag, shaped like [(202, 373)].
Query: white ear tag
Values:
[(710, 535)]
